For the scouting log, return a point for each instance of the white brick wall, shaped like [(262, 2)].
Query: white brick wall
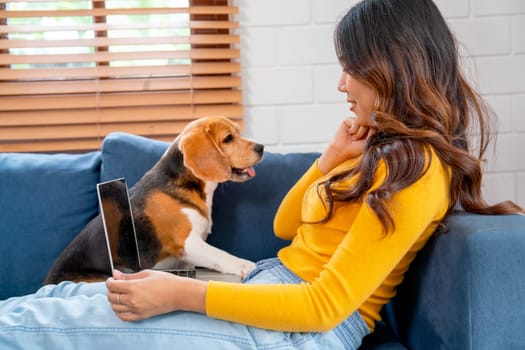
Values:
[(290, 74)]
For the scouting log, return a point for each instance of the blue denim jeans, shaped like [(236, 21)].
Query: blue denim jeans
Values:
[(78, 316)]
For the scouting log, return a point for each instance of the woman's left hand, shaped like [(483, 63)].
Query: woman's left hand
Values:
[(149, 293)]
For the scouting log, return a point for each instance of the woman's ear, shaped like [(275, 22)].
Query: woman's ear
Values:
[(203, 157)]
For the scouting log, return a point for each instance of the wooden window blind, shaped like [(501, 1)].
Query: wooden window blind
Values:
[(73, 71)]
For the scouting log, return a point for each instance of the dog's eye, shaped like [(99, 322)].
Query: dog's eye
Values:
[(228, 139)]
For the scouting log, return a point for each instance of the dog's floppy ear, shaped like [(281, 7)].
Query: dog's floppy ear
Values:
[(203, 156)]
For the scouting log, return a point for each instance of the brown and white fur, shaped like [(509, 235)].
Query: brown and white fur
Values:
[(172, 206)]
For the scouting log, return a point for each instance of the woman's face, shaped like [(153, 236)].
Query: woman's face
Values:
[(360, 96)]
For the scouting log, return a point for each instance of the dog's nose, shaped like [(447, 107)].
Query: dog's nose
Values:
[(258, 148)]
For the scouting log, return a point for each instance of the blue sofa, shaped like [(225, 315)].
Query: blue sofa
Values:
[(464, 290)]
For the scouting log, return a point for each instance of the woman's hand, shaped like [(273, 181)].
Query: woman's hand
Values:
[(149, 293), (349, 142)]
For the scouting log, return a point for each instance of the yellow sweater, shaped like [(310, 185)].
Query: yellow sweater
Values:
[(348, 263)]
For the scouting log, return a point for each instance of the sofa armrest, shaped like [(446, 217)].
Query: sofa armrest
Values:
[(45, 200), (466, 288)]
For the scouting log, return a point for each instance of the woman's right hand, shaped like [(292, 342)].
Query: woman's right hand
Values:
[(349, 142)]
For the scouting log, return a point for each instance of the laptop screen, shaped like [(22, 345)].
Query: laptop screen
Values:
[(115, 209), (119, 228)]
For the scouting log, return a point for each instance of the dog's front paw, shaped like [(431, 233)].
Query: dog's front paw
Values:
[(243, 267)]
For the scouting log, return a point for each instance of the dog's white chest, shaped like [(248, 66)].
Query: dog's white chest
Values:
[(209, 189), (200, 225)]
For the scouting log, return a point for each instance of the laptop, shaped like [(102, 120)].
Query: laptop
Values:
[(117, 215)]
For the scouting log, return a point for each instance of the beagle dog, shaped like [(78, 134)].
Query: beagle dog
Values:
[(172, 206)]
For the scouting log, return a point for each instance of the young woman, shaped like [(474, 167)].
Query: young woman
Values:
[(356, 218)]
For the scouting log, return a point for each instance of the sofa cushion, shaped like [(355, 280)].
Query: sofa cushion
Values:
[(242, 212), (45, 200), (129, 156)]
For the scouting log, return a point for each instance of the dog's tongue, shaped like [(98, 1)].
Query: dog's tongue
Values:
[(250, 171)]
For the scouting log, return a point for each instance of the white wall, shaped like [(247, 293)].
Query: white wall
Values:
[(290, 74)]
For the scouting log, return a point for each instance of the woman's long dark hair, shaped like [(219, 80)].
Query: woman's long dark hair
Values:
[(405, 51)]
